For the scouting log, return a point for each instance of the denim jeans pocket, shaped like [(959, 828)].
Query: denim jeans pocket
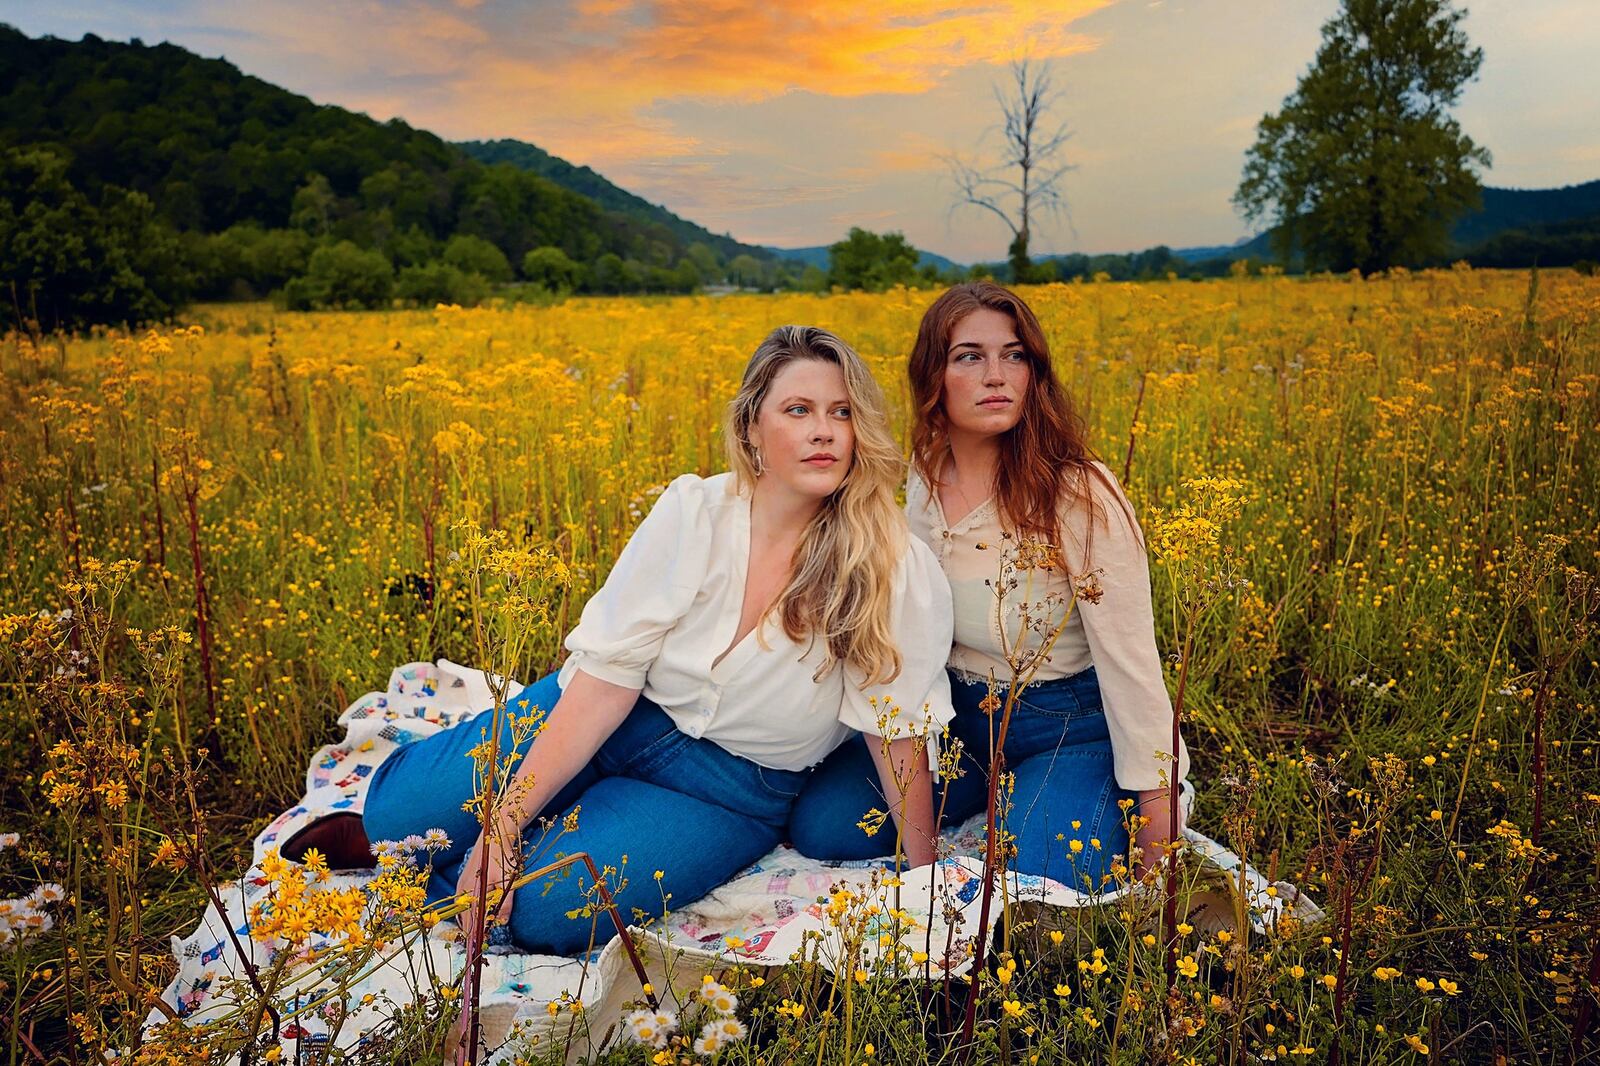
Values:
[(1055, 702), (655, 754)]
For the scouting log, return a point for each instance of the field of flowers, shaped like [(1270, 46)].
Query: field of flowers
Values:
[(212, 538)]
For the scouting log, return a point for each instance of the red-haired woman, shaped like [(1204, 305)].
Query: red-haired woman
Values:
[(998, 452)]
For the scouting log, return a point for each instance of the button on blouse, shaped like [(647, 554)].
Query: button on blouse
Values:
[(671, 605)]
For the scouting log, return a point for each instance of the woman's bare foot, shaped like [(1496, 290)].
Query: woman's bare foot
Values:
[(339, 837)]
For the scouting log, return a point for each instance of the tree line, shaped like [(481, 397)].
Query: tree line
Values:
[(135, 178)]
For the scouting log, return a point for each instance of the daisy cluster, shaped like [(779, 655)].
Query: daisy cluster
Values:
[(655, 1028), (27, 915)]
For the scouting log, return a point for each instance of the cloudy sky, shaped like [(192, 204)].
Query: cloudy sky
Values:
[(788, 122)]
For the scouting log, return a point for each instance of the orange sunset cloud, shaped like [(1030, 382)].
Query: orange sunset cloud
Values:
[(656, 49), (612, 61)]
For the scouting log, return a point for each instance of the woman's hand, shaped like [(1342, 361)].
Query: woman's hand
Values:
[(503, 854), (1154, 838)]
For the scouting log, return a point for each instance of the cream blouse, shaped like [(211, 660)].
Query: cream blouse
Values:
[(1116, 636), (671, 605)]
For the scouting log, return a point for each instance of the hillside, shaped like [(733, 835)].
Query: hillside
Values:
[(1520, 209), (256, 182), (212, 146), (590, 183), (1528, 213), (1567, 242), (1210, 251)]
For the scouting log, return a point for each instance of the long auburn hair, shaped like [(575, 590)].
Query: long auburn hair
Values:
[(1045, 458), (841, 586)]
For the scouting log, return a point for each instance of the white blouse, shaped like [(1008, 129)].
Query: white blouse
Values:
[(1116, 636), (671, 605)]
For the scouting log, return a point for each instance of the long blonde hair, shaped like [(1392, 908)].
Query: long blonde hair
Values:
[(841, 586)]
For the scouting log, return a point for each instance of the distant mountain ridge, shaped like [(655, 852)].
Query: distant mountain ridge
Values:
[(1210, 251), (1515, 209), (1504, 211), (817, 256), (588, 182)]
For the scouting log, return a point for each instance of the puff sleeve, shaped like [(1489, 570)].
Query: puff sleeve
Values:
[(1121, 633), (651, 587), (923, 623)]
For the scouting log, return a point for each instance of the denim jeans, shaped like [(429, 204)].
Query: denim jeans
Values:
[(1057, 744), (652, 795)]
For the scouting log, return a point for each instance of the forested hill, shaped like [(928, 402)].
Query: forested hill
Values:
[(253, 180), (1512, 228), (596, 187), (1525, 209)]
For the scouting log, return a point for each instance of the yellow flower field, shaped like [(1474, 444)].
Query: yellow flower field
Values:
[(1376, 511)]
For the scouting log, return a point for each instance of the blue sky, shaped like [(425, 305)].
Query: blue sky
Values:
[(787, 123)]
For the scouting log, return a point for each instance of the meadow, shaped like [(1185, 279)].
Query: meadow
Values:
[(214, 536)]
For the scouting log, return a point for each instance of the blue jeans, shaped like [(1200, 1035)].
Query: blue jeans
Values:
[(652, 793), (1057, 744)]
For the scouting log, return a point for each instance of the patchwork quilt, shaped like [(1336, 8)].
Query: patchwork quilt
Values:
[(760, 917)]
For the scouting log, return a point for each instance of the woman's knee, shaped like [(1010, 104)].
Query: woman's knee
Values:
[(387, 810), (824, 822), (814, 826), (1071, 826), (540, 922), (424, 784)]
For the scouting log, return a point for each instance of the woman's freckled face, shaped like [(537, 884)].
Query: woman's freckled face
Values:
[(804, 430), (986, 375)]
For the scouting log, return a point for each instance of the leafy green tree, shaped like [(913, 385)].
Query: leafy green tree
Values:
[(706, 262), (685, 277), (1363, 167), (219, 261), (66, 262), (440, 283), (613, 274), (633, 276), (813, 279), (312, 209), (1043, 273), (411, 247), (871, 261), (279, 255), (551, 268), (244, 261), (474, 255), (411, 197), (610, 275), (745, 271), (341, 275)]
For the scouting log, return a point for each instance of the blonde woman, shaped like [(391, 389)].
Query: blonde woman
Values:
[(740, 637)]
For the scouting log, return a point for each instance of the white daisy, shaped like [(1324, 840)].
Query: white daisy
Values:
[(49, 892), (651, 1027), (710, 1041)]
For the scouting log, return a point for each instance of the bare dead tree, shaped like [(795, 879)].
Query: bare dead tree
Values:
[(1026, 184)]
